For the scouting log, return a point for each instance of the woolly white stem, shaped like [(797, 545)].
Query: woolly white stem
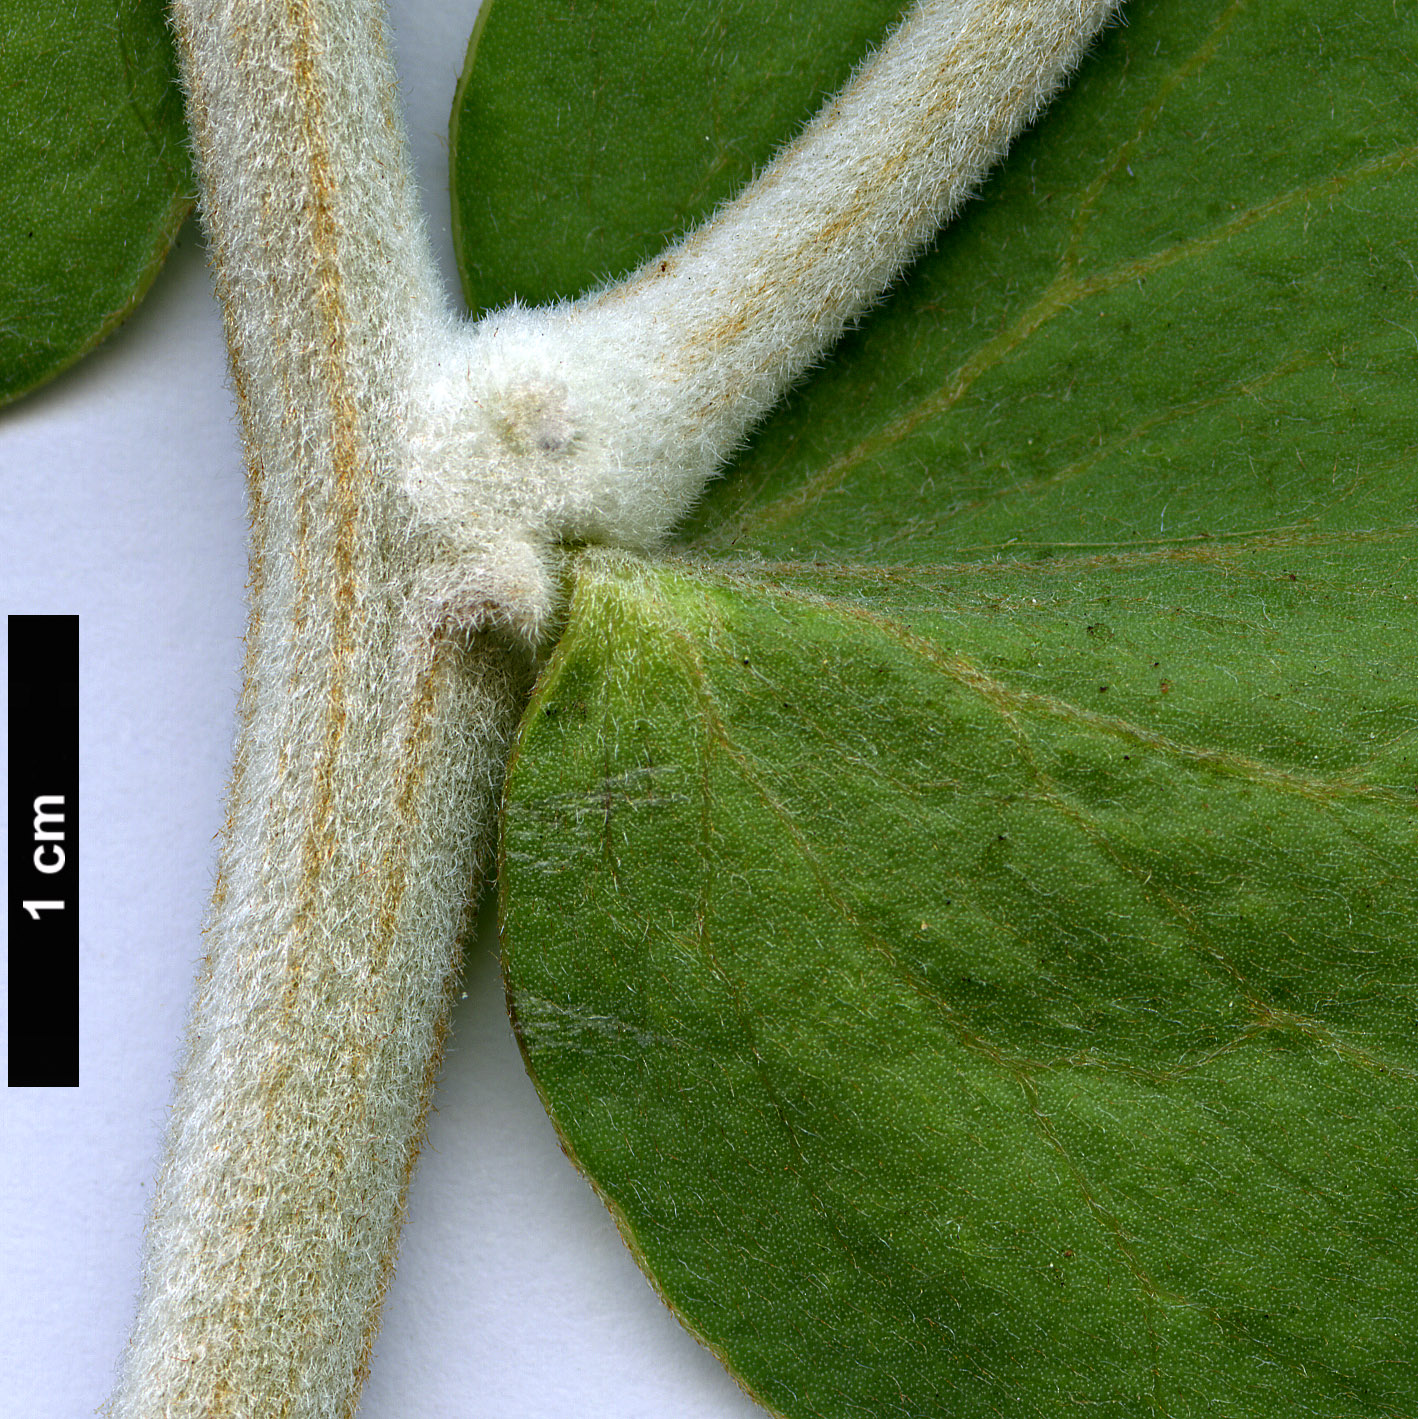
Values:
[(730, 317), (409, 482), (371, 744)]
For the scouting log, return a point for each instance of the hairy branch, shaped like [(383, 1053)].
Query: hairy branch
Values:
[(410, 481)]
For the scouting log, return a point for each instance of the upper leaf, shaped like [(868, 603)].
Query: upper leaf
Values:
[(95, 174), (960, 908)]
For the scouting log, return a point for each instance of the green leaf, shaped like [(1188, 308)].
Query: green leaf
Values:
[(95, 174), (950, 1038), (960, 906)]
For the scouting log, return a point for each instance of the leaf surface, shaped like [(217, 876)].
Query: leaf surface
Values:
[(960, 905), (94, 171)]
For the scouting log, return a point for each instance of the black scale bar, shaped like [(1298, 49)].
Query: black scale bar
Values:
[(44, 851)]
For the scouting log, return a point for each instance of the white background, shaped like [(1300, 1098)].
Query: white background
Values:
[(121, 499)]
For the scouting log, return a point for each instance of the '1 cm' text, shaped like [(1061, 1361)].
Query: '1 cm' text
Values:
[(49, 851)]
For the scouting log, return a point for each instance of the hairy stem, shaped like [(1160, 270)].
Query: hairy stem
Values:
[(743, 305), (371, 745), (410, 480)]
